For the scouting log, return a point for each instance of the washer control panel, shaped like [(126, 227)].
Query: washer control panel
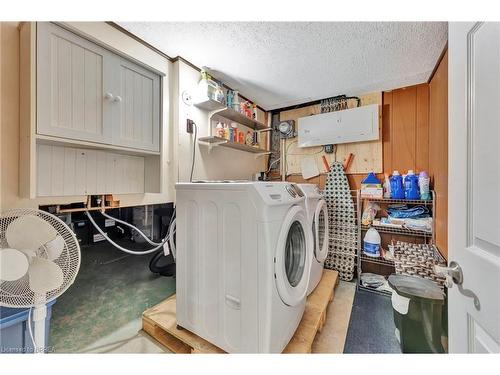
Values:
[(279, 192), (291, 190)]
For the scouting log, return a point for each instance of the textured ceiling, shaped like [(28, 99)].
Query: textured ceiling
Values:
[(279, 64)]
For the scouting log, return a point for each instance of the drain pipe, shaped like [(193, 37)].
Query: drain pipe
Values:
[(164, 244)]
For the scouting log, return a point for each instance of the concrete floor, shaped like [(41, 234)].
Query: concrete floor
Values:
[(101, 311), (332, 338)]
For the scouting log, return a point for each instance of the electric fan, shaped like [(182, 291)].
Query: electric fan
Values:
[(39, 260)]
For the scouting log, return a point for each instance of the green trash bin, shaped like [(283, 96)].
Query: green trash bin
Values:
[(418, 309)]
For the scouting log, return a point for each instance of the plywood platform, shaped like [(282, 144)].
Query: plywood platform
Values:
[(160, 323)]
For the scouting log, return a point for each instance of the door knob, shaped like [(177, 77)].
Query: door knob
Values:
[(108, 96), (117, 99), (452, 274)]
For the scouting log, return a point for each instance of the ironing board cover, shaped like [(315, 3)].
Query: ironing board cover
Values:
[(343, 229)]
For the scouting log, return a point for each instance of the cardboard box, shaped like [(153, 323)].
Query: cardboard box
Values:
[(372, 191)]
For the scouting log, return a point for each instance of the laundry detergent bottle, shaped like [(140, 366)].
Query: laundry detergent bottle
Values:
[(412, 190), (397, 190), (423, 183), (371, 243)]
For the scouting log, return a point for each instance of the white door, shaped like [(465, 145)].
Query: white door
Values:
[(292, 265), (72, 75), (320, 228), (474, 186), (136, 114)]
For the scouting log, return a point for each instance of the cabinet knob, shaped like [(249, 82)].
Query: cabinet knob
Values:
[(118, 98), (108, 96)]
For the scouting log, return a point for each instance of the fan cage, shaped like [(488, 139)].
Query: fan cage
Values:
[(18, 293)]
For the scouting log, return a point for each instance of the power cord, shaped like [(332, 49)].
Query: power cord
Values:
[(194, 151)]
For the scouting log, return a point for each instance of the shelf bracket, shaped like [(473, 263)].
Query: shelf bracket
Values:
[(211, 145)]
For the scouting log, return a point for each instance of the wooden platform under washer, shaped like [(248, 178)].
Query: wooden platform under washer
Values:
[(160, 323)]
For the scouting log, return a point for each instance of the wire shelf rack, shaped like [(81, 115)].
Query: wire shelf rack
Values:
[(399, 201), (363, 259), (394, 230), (377, 260)]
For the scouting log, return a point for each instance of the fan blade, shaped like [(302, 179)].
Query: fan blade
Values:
[(44, 275), (13, 264), (55, 247), (29, 232)]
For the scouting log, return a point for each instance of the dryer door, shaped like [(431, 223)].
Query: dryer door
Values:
[(321, 231), (292, 265)]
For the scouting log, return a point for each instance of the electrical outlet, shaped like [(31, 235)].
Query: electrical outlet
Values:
[(189, 126), (329, 149)]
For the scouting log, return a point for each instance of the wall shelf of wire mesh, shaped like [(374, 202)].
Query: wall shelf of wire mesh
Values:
[(398, 230), (428, 237), (377, 260)]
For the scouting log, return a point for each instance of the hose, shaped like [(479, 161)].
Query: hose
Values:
[(132, 252), (194, 152), (134, 228)]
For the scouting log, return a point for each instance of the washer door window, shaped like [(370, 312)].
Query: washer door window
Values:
[(295, 258), (292, 265), (321, 231)]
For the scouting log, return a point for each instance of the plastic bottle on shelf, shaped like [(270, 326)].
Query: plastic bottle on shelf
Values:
[(254, 111), (424, 183), (236, 101), (397, 190), (219, 130), (229, 98), (411, 186), (387, 187), (371, 243), (249, 139), (226, 131), (206, 86), (234, 132)]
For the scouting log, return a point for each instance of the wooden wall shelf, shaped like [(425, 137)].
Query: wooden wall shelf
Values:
[(214, 141)]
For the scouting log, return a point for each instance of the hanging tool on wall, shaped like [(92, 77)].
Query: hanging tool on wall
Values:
[(347, 161), (325, 163)]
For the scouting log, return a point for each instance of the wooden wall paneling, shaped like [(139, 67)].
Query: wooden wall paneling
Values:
[(386, 132), (422, 128), (403, 129), (438, 150)]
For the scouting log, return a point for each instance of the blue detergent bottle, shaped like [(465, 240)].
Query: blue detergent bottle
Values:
[(397, 190), (412, 190)]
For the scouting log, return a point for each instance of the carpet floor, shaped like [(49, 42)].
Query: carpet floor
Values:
[(371, 327)]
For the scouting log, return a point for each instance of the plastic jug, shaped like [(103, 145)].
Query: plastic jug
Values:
[(371, 243), (412, 190), (397, 191), (387, 187), (423, 183)]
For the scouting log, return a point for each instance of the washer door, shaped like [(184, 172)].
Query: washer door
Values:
[(292, 265), (321, 231)]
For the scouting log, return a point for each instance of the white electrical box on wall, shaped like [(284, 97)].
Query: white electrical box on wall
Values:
[(351, 125)]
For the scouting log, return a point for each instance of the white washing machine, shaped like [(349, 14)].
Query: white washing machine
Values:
[(317, 214), (242, 263)]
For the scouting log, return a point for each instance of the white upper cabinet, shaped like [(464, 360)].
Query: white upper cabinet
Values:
[(136, 117), (87, 93)]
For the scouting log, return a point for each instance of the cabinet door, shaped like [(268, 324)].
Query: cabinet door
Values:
[(72, 75), (137, 107)]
